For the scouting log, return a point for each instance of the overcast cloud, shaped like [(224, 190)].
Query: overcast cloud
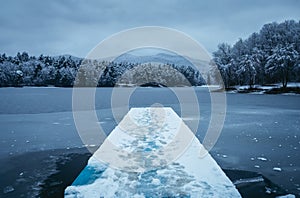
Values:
[(75, 27)]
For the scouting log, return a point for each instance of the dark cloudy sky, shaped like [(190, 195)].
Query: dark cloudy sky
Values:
[(74, 27)]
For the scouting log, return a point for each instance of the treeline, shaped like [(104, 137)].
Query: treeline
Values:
[(269, 56), (61, 71), (25, 70)]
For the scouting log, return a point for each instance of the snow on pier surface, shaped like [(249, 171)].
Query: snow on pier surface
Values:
[(151, 153)]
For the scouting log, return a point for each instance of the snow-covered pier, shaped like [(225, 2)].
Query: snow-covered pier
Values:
[(151, 153)]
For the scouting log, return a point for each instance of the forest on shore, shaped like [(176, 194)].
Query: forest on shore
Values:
[(271, 55)]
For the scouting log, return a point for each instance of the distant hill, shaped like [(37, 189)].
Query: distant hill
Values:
[(158, 58), (165, 58)]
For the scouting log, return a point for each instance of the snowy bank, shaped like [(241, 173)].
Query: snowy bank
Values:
[(293, 88)]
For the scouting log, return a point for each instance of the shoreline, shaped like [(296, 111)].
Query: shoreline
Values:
[(257, 89), (48, 173)]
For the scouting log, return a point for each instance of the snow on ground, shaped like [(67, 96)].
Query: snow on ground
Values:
[(211, 86), (267, 87), (292, 84), (151, 153), (264, 88)]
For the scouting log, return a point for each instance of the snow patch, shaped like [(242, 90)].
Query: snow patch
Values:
[(262, 159), (277, 169), (249, 180), (287, 196), (8, 189)]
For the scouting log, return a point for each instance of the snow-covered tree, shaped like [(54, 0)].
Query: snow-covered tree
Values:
[(67, 77), (247, 69), (282, 62), (47, 75), (224, 61), (10, 74), (271, 50)]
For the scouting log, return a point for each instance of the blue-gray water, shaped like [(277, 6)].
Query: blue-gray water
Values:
[(257, 127)]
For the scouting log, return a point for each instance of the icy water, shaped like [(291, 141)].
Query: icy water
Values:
[(261, 132)]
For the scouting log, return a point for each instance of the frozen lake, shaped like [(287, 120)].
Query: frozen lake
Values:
[(261, 132)]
